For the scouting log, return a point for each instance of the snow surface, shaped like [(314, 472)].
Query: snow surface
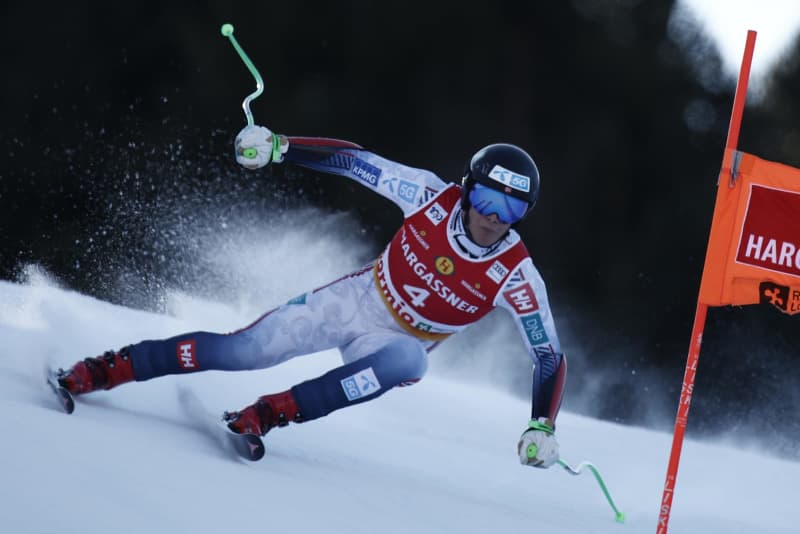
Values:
[(435, 457)]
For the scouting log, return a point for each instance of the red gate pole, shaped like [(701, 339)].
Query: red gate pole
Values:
[(700, 314)]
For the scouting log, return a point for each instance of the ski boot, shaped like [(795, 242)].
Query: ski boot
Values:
[(266, 413), (103, 372)]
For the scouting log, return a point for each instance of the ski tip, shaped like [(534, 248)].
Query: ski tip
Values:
[(248, 446), (63, 396), (68, 403)]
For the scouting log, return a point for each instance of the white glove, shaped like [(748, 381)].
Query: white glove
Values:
[(256, 146), (538, 446)]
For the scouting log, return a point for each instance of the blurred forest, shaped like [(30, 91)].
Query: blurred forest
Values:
[(117, 117)]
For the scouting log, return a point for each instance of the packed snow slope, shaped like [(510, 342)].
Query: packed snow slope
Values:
[(435, 457)]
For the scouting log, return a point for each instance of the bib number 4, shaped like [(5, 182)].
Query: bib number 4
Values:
[(417, 294)]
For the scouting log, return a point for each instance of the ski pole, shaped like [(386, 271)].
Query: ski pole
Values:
[(619, 516), (227, 31)]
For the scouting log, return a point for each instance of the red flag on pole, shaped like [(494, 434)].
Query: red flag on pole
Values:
[(753, 251)]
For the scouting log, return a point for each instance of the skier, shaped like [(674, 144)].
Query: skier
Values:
[(455, 258)]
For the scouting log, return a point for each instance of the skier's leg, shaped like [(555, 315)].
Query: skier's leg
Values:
[(402, 361), (398, 360), (325, 318)]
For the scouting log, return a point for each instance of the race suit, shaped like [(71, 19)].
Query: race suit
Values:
[(430, 282)]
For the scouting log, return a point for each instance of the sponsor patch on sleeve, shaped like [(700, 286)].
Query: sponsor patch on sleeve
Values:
[(366, 172), (522, 298), (407, 191), (534, 329)]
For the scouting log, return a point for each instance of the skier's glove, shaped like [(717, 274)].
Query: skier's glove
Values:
[(538, 446), (256, 146)]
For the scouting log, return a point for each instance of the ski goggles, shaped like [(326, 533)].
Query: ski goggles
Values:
[(486, 201)]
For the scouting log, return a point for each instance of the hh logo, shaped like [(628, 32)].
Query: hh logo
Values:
[(187, 355), (522, 298), (444, 265), (785, 298)]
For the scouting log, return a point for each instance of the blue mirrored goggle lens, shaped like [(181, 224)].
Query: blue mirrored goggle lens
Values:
[(487, 201)]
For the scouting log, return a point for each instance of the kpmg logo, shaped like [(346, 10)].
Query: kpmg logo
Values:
[(520, 182), (366, 172)]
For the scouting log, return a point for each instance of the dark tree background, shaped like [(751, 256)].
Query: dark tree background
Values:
[(118, 115)]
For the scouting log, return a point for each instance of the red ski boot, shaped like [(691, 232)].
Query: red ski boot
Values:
[(103, 372), (266, 413)]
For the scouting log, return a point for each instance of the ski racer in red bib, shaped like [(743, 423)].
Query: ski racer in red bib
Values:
[(455, 258)]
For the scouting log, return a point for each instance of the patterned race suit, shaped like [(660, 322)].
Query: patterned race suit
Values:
[(430, 282)]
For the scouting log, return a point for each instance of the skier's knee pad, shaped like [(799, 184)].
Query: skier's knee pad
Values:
[(403, 360)]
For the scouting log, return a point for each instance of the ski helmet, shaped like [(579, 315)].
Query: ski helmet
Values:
[(505, 168)]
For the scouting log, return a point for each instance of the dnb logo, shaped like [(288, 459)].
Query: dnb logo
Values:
[(534, 329), (785, 298)]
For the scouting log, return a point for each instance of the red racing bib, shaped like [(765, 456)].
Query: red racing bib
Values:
[(430, 286)]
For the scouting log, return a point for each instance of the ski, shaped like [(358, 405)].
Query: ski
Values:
[(248, 446), (242, 446), (63, 396)]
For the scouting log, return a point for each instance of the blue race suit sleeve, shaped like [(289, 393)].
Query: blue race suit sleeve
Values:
[(408, 187), (524, 296)]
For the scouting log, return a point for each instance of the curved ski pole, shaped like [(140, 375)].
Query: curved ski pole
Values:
[(227, 31), (619, 516)]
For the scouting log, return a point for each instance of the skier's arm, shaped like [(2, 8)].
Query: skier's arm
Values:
[(525, 297), (407, 187)]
